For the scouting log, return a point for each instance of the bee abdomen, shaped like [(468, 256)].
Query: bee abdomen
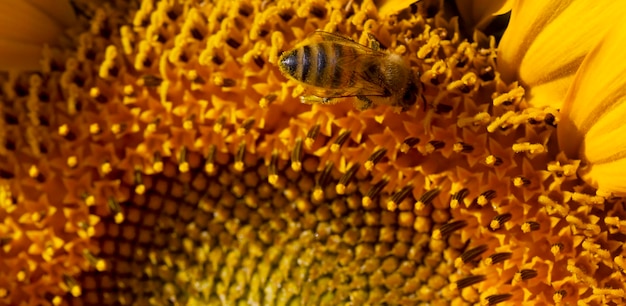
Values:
[(316, 64), (308, 64), (300, 63), (288, 63), (327, 73)]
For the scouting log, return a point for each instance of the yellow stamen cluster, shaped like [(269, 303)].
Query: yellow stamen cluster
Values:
[(167, 161)]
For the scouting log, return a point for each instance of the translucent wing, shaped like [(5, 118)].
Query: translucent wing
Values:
[(362, 65)]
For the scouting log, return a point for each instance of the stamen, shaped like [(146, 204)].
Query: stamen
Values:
[(118, 128), (373, 193), (157, 164), (510, 98), (530, 226), (556, 248), (492, 160), (97, 95), (458, 197), (447, 229), (472, 254), (116, 210), (565, 170), (526, 274), (346, 178), (470, 280), (267, 100), (322, 182), (97, 263), (520, 181), (586, 199), (311, 135), (34, 172), (479, 119), (106, 168), (183, 164), (245, 127), (408, 143), (434, 145), (461, 147), (223, 82), (72, 285), (296, 156), (273, 169), (65, 132), (485, 197), (398, 197), (615, 225), (497, 221), (341, 139), (426, 199), (498, 298), (498, 257), (376, 157), (209, 165), (559, 295), (532, 148), (239, 162)]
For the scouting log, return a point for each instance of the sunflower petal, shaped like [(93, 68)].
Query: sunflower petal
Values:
[(25, 26), (476, 14), (386, 8), (592, 125), (552, 37), (19, 55), (61, 11)]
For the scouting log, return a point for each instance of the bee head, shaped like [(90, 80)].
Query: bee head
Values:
[(410, 95)]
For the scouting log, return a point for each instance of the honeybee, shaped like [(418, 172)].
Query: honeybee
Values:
[(333, 66)]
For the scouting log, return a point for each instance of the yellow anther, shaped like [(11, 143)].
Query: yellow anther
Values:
[(72, 161), (94, 128), (33, 171), (106, 168), (64, 130)]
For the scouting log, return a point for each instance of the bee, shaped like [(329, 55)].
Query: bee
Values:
[(333, 67)]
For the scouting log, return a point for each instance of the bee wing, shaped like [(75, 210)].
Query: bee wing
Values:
[(362, 81), (319, 36)]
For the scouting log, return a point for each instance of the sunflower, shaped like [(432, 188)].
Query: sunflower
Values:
[(158, 157)]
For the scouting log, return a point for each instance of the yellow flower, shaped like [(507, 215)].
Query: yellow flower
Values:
[(25, 26), (478, 14), (592, 120), (163, 160), (546, 41)]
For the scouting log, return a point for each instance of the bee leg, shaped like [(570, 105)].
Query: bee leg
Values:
[(363, 103), (314, 99), (374, 44)]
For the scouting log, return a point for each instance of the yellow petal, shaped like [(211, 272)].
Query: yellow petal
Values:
[(25, 26), (19, 55), (546, 42), (61, 11), (477, 14), (386, 8), (593, 125)]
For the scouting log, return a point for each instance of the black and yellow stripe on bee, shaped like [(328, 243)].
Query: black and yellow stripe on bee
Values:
[(316, 65)]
